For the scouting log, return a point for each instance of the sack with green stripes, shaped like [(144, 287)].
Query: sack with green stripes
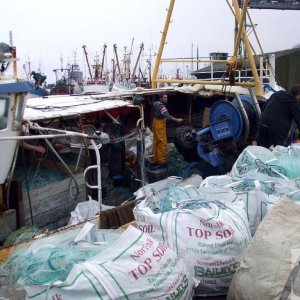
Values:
[(135, 266), (210, 234), (260, 192)]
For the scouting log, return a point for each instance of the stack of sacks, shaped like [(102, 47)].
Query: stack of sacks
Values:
[(207, 227), (210, 226)]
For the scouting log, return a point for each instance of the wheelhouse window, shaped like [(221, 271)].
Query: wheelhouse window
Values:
[(4, 102)]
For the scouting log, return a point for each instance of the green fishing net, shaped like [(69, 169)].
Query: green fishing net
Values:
[(51, 259), (288, 158)]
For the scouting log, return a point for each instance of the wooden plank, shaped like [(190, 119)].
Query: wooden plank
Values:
[(52, 188), (48, 202), (7, 223), (57, 208), (16, 198), (52, 204)]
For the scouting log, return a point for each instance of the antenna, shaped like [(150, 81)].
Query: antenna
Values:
[(14, 54), (61, 58)]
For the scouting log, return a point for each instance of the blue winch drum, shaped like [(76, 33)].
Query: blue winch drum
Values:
[(225, 120), (251, 112)]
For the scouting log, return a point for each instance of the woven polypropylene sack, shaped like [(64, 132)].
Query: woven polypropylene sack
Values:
[(135, 267), (271, 258)]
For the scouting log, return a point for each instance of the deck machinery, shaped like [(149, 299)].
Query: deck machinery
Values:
[(232, 126)]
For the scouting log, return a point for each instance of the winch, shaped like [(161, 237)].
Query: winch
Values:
[(232, 126)]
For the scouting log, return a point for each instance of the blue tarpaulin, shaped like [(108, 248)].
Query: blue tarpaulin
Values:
[(16, 87)]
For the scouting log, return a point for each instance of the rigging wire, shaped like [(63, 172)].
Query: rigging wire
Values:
[(67, 168)]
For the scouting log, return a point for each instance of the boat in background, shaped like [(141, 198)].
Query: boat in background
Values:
[(96, 87), (69, 80), (98, 81), (127, 76)]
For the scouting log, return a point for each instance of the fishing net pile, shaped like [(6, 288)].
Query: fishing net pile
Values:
[(178, 166), (51, 259), (23, 234)]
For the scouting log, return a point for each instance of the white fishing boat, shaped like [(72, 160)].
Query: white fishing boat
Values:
[(12, 105), (67, 124), (69, 121), (17, 209), (64, 125), (97, 82)]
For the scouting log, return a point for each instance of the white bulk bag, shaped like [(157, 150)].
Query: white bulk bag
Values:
[(260, 192), (267, 269), (257, 159), (135, 267), (209, 235), (289, 159)]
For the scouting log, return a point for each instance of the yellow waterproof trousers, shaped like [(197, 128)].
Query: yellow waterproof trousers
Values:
[(159, 130)]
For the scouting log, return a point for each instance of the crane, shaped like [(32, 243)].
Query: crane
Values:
[(117, 58), (87, 60), (138, 58), (103, 57)]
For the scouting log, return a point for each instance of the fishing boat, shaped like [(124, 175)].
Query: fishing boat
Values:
[(74, 118), (69, 79), (97, 82), (126, 77), (12, 101), (66, 127), (67, 124)]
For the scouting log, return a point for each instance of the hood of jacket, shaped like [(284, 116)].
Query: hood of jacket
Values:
[(283, 96)]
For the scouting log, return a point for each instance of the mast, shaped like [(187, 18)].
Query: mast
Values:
[(240, 17), (117, 59), (125, 63), (138, 58), (14, 54), (114, 70), (235, 62), (87, 61), (162, 43), (27, 72), (103, 57), (96, 67), (128, 59)]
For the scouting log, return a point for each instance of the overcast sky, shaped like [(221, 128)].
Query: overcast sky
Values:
[(44, 31)]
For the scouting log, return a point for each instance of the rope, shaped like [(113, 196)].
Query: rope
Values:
[(271, 170)]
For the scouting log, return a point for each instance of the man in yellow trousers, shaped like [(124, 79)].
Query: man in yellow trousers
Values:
[(159, 129)]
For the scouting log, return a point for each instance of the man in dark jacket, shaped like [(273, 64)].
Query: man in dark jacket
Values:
[(277, 116)]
